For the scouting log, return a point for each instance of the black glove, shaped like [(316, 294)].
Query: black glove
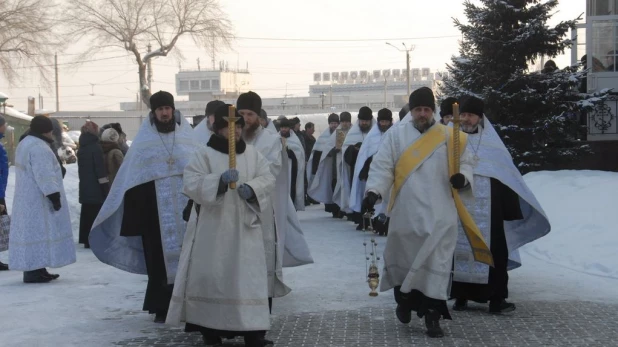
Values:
[(104, 189), (369, 202), (55, 200), (186, 213), (333, 152), (458, 181), (222, 187)]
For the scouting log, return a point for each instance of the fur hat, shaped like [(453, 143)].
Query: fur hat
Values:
[(161, 98), (263, 114), (385, 114), (110, 135), (41, 125), (221, 113), (286, 123), (422, 97), (249, 101), (472, 104), (333, 118), (404, 111), (345, 116), (365, 113), (212, 106), (446, 106)]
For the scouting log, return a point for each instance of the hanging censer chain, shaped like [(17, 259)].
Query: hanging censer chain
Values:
[(371, 266)]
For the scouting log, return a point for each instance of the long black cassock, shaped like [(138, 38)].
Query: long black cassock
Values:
[(504, 207), (141, 218)]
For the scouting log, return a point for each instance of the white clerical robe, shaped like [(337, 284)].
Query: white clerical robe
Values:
[(40, 236), (149, 159), (201, 134), (320, 188), (293, 143), (221, 282), (370, 146), (423, 227), (342, 195), (320, 149)]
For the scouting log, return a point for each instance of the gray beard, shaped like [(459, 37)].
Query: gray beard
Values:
[(423, 127), (248, 133), (469, 129)]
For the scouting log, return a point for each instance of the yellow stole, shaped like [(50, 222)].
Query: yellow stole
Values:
[(415, 155)]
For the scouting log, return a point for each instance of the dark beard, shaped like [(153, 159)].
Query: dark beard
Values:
[(165, 127), (383, 128), (365, 129), (249, 130), (284, 134)]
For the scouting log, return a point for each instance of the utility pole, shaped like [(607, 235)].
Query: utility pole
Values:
[(198, 64), (57, 92), (149, 67), (385, 92), (331, 95), (322, 96), (407, 50)]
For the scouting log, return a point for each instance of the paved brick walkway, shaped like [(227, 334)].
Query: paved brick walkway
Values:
[(532, 324)]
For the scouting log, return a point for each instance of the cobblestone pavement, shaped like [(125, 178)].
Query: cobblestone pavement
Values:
[(532, 324)]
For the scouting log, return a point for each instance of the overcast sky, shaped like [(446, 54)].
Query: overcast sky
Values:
[(275, 64)]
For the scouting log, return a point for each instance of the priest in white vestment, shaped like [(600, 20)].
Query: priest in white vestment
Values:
[(414, 162), (505, 210), (267, 123), (140, 227), (221, 285), (351, 146), (284, 241), (202, 132), (296, 160), (322, 166), (370, 147), (40, 234)]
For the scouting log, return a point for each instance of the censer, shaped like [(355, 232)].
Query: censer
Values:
[(373, 274)]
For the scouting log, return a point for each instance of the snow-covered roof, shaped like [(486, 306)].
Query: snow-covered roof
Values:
[(11, 112), (43, 111)]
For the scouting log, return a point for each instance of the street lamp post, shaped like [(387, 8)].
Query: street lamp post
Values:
[(407, 50)]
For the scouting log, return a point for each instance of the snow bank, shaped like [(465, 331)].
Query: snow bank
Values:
[(581, 206)]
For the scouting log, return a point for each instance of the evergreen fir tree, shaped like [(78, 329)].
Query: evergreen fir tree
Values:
[(537, 114)]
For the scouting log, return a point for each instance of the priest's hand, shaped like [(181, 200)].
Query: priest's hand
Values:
[(55, 200), (246, 192), (230, 175), (369, 202), (333, 152), (458, 181)]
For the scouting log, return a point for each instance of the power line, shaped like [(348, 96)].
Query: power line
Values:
[(71, 63), (343, 40)]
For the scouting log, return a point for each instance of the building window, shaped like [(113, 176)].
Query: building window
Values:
[(184, 85), (604, 45), (195, 85), (215, 84), (602, 7), (205, 84)]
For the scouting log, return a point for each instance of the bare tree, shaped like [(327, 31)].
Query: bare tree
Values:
[(132, 25), (27, 38)]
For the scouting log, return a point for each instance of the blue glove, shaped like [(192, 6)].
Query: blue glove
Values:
[(245, 192), (231, 175)]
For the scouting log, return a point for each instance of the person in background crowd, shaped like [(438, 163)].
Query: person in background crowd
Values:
[(112, 154), (4, 177), (93, 181), (446, 110), (404, 111), (267, 123), (41, 233), (122, 137), (296, 127)]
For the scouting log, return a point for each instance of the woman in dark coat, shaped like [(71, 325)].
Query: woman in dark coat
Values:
[(93, 181)]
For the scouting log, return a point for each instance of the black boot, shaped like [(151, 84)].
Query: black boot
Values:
[(460, 305), (432, 322), (403, 314), (500, 306), (257, 339), (212, 341), (53, 276), (3, 266), (160, 317), (36, 276)]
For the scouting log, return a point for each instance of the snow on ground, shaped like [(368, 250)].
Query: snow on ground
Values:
[(94, 304)]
